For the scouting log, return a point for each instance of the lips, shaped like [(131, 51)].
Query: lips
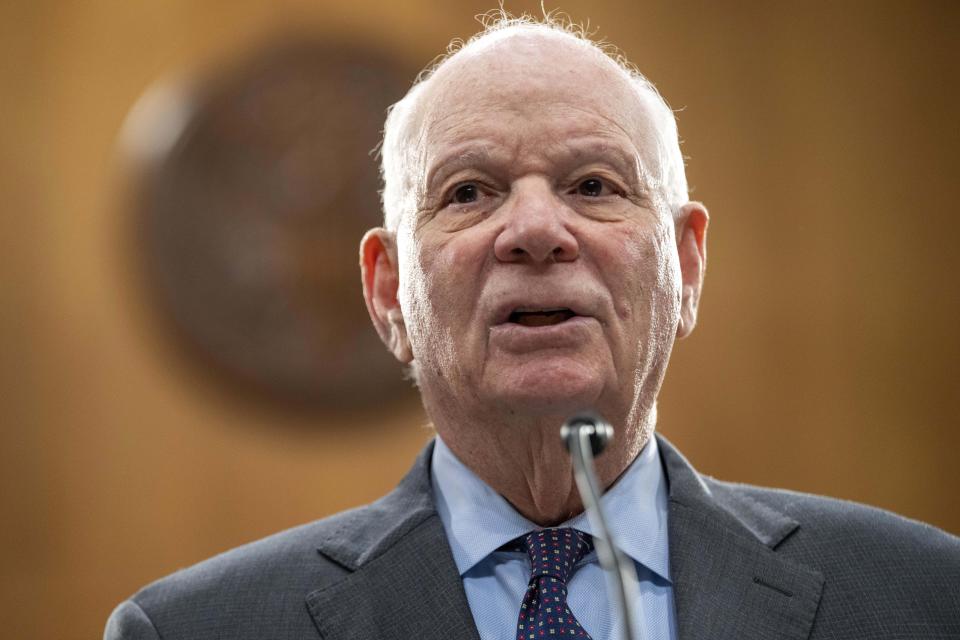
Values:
[(532, 308), (534, 320)]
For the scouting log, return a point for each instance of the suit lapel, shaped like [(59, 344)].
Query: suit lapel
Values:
[(401, 580), (728, 580)]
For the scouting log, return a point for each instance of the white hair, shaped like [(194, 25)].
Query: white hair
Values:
[(398, 155)]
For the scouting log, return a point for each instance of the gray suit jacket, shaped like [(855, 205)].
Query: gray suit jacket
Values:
[(747, 563)]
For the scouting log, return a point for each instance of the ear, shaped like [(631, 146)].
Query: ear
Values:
[(378, 269), (692, 249)]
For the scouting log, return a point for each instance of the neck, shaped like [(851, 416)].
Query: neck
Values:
[(525, 461)]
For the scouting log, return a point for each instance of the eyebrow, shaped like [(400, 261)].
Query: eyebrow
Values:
[(464, 157), (566, 153), (579, 151)]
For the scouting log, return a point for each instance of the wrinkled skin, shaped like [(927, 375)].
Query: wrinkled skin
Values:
[(536, 185)]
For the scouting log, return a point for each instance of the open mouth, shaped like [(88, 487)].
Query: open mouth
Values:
[(540, 317)]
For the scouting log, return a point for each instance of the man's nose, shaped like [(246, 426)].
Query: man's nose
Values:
[(534, 229)]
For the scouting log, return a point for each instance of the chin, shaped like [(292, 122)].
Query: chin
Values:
[(557, 386)]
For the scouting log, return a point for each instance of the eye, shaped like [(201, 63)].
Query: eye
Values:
[(465, 193), (591, 187)]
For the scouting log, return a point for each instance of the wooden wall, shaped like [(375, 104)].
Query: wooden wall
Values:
[(822, 136)]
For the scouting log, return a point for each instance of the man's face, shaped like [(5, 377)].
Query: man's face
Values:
[(539, 273)]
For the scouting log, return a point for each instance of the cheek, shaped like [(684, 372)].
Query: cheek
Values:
[(437, 291), (650, 289), (450, 271)]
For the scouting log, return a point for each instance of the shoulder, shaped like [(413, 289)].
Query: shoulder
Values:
[(878, 567), (832, 522), (241, 593), (260, 590)]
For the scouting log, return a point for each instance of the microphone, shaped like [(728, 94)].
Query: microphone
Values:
[(586, 435)]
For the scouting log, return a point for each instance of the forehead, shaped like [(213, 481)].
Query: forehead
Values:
[(531, 88)]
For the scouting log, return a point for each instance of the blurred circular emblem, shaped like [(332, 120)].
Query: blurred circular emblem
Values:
[(257, 184)]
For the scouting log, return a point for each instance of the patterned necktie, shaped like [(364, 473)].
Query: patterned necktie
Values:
[(544, 612)]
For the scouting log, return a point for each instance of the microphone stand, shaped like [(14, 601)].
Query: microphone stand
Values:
[(585, 436)]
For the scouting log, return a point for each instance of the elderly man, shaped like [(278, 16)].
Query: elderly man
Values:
[(540, 256)]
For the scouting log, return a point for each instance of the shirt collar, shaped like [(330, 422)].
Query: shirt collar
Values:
[(478, 520)]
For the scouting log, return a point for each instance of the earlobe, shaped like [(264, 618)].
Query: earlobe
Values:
[(692, 251), (380, 275)]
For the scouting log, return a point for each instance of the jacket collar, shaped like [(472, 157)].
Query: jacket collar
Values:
[(360, 535), (401, 582), (729, 582)]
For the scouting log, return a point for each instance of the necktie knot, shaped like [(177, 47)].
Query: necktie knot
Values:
[(555, 552)]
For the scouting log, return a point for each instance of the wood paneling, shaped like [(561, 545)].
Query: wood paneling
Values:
[(821, 135)]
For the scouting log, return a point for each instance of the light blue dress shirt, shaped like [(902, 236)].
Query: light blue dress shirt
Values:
[(478, 521)]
